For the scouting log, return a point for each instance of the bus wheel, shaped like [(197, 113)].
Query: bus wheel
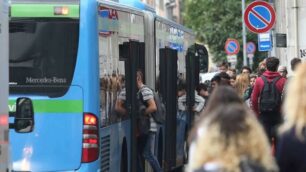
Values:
[(124, 159)]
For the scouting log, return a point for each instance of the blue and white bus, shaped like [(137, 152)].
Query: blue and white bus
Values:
[(69, 61)]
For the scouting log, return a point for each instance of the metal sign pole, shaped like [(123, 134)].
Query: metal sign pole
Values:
[(244, 35)]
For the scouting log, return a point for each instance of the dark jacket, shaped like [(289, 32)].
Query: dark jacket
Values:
[(247, 94), (259, 85), (291, 152)]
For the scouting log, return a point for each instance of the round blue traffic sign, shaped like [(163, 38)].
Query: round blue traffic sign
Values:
[(231, 46), (250, 48), (259, 17)]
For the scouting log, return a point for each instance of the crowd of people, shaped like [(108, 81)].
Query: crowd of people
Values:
[(246, 122), (251, 121)]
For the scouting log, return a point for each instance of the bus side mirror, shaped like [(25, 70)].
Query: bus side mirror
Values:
[(24, 117)]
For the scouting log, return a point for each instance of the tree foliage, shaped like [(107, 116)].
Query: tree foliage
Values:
[(214, 21)]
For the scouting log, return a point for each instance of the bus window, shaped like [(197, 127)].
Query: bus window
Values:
[(115, 28), (46, 59)]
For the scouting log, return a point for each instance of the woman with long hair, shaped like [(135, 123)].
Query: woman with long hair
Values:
[(291, 150), (230, 139), (241, 84)]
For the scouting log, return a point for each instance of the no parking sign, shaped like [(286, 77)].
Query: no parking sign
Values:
[(232, 46), (250, 48), (259, 17)]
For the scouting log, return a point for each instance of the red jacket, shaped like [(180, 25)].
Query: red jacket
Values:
[(259, 84)]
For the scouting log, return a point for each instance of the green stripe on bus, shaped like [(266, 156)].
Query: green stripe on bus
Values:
[(52, 106), (43, 10)]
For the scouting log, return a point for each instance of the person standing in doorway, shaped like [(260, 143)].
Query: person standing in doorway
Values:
[(146, 140)]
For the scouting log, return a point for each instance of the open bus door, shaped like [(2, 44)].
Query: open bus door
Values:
[(133, 54), (168, 90), (202, 53), (4, 154), (196, 62), (192, 79)]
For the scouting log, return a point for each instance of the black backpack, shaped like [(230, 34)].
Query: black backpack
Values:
[(160, 115), (270, 98)]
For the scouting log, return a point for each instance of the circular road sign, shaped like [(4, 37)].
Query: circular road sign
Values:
[(259, 17), (231, 46), (250, 48)]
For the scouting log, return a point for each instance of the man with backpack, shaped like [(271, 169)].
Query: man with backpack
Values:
[(147, 126), (266, 97)]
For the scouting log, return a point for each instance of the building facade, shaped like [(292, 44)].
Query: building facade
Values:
[(290, 22), (170, 9)]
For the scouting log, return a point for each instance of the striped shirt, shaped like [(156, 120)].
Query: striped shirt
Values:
[(147, 94), (198, 106)]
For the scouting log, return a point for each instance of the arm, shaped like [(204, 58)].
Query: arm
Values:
[(151, 107), (181, 103), (200, 105)]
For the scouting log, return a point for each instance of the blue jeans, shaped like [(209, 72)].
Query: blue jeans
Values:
[(145, 149), (181, 121)]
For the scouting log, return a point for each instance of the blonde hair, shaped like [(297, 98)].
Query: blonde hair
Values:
[(295, 103), (229, 134), (241, 84)]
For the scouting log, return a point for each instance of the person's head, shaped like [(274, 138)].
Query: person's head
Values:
[(295, 101), (253, 78), (282, 70), (260, 71), (294, 63), (139, 78), (246, 70), (225, 78), (223, 67), (272, 64), (181, 89), (233, 80), (242, 83), (222, 95), (231, 72), (262, 64), (215, 81), (229, 134), (202, 90)]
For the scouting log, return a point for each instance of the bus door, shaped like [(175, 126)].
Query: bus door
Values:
[(202, 54), (192, 79), (133, 54), (168, 90)]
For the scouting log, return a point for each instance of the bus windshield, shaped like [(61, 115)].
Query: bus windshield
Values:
[(42, 55)]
